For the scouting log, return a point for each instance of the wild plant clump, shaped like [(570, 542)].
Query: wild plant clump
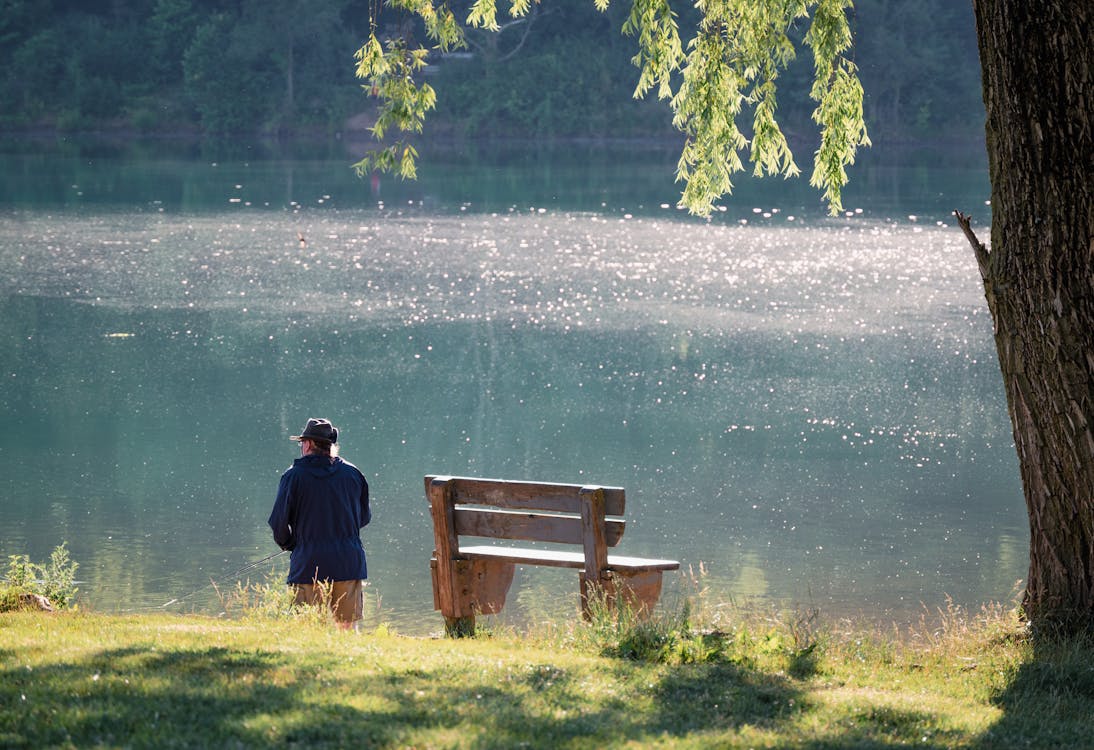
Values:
[(695, 632), (683, 636), (265, 599), (30, 585)]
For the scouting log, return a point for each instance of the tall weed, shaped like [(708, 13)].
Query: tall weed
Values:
[(694, 631), (273, 599), (263, 599), (55, 580)]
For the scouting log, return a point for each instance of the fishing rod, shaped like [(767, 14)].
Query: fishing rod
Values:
[(233, 574), (255, 564), (248, 567)]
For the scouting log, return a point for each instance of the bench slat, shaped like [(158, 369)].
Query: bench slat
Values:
[(563, 558), (539, 527), (561, 498)]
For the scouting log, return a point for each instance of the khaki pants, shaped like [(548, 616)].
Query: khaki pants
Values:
[(347, 598)]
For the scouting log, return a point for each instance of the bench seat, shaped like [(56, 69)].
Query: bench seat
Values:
[(564, 558)]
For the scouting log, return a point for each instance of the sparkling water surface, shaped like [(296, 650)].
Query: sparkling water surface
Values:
[(808, 410)]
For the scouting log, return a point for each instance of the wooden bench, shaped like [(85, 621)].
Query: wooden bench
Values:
[(474, 579)]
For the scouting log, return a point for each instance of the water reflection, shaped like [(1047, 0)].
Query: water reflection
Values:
[(611, 178), (810, 408)]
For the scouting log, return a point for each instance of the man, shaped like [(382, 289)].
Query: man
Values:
[(322, 505)]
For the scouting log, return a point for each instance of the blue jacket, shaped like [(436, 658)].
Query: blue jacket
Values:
[(321, 507)]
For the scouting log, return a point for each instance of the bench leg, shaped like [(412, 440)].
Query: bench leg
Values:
[(640, 591), (594, 591), (485, 583), (637, 590), (480, 588), (460, 627)]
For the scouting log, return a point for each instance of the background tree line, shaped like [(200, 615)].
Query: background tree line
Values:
[(286, 67)]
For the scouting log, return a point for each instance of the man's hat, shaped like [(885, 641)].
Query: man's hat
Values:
[(318, 429)]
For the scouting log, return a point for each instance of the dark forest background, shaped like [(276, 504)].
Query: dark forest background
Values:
[(285, 67)]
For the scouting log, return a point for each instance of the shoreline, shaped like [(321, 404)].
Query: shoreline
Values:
[(429, 139)]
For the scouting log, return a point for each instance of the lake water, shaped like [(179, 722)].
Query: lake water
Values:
[(809, 409)]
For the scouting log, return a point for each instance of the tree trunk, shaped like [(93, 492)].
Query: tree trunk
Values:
[(1037, 60)]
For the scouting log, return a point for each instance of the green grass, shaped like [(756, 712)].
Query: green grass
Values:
[(77, 679)]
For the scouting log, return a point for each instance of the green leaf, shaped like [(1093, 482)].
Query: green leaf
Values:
[(407, 164), (403, 103), (440, 24), (659, 49), (770, 154), (483, 15), (843, 130)]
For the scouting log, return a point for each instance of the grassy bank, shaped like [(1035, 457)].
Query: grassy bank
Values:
[(71, 679)]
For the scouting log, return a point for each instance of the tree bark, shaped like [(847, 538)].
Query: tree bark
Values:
[(1037, 61)]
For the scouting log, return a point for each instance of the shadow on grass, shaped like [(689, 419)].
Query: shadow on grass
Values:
[(216, 697), (1050, 701), (137, 697), (723, 696), (638, 704)]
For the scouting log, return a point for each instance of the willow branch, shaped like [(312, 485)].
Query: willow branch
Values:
[(529, 21)]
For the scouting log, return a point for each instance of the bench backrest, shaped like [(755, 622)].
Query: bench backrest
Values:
[(530, 511)]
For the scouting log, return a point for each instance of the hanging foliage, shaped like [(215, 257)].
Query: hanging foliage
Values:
[(731, 66)]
